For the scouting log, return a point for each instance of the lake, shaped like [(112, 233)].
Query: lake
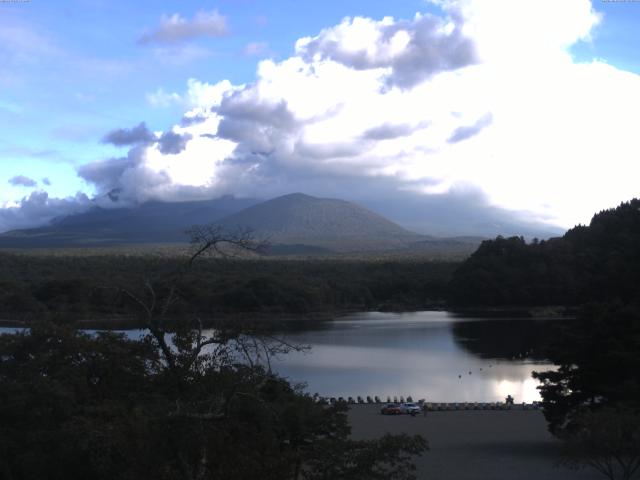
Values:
[(436, 355)]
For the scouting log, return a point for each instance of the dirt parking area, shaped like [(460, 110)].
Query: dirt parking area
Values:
[(470, 444)]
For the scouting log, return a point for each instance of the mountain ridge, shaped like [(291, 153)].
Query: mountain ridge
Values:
[(149, 222), (293, 224), (326, 222)]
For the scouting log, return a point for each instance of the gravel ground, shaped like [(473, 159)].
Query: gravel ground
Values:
[(469, 444)]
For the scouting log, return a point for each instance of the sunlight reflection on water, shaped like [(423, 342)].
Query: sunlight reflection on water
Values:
[(415, 354)]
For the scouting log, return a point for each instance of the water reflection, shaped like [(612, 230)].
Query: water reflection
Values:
[(433, 355), (505, 338)]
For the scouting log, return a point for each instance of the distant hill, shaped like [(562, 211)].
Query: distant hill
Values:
[(597, 262), (337, 225), (150, 222), (294, 224)]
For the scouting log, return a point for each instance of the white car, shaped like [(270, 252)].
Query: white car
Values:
[(410, 408)]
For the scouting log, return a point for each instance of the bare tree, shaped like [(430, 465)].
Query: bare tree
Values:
[(188, 349), (154, 303), (214, 239)]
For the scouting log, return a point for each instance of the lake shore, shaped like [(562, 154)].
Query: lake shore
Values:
[(473, 445), (131, 322)]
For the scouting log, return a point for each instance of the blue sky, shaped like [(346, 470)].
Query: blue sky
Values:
[(80, 71), (617, 38), (72, 71)]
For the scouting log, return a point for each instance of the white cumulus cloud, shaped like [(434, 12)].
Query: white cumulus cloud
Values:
[(484, 97), (161, 98)]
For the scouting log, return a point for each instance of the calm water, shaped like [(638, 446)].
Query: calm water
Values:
[(434, 355)]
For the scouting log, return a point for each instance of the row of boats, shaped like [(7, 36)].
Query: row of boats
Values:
[(436, 406)]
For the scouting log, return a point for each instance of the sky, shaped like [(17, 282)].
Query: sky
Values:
[(524, 107)]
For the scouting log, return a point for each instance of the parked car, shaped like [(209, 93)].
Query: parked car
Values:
[(391, 409), (410, 408)]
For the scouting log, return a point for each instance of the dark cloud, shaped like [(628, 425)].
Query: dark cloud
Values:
[(172, 143), (388, 131), (245, 105), (188, 120), (319, 151), (250, 136), (176, 29), (168, 143), (22, 181), (254, 124), (468, 131), (105, 174), (129, 136), (38, 209), (430, 48)]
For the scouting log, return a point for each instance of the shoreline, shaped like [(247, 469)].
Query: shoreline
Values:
[(130, 322)]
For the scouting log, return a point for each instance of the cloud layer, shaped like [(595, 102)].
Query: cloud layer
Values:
[(426, 107), (129, 136), (411, 51), (38, 209)]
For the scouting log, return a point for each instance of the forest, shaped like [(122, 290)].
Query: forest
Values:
[(81, 287), (591, 263)]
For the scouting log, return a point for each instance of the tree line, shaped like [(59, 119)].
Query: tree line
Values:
[(85, 286), (593, 263)]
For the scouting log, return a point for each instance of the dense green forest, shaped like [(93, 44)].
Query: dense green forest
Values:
[(589, 263), (84, 287)]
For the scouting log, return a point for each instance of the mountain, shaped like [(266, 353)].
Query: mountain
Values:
[(294, 224), (299, 219), (150, 222)]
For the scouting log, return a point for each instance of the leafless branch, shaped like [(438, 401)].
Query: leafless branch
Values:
[(214, 238)]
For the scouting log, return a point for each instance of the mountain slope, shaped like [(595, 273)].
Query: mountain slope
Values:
[(323, 222), (150, 222)]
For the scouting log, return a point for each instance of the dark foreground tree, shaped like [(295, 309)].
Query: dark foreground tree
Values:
[(598, 358), (180, 402), (592, 401), (607, 440)]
